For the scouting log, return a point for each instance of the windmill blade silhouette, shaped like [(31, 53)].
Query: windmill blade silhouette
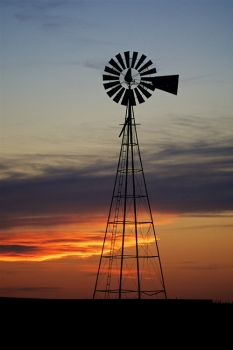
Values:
[(150, 71), (148, 86), (128, 97), (111, 71), (134, 58), (127, 58), (120, 60), (110, 77), (140, 61), (114, 90), (115, 65), (112, 84), (146, 65), (139, 96), (119, 95), (144, 91)]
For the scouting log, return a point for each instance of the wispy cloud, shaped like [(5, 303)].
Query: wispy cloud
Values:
[(193, 179), (97, 65), (47, 21), (37, 246), (94, 65), (49, 14), (190, 265), (48, 220), (29, 289), (192, 175), (42, 5), (16, 249), (195, 78)]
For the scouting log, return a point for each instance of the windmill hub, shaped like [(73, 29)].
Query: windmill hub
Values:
[(130, 76)]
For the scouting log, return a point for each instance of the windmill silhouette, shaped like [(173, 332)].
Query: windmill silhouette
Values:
[(130, 264)]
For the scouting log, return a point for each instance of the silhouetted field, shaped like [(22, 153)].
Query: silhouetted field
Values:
[(72, 305), (138, 319)]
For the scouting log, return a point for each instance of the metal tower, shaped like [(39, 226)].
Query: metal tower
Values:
[(130, 264)]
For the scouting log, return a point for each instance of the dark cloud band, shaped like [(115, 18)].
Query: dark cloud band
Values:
[(180, 179)]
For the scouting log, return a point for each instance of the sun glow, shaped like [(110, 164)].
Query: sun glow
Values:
[(61, 241)]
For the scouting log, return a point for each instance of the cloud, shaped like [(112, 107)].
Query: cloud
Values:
[(29, 289), (17, 249), (55, 14), (48, 13), (41, 245), (48, 21), (66, 195), (196, 78), (38, 4), (209, 267), (196, 149), (42, 220), (94, 65), (188, 170), (63, 192)]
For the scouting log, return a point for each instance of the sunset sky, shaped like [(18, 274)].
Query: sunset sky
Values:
[(59, 141)]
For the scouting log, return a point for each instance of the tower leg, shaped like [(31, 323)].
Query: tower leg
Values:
[(125, 203)]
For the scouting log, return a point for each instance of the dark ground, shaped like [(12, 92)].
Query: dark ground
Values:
[(29, 303), (116, 307), (115, 323)]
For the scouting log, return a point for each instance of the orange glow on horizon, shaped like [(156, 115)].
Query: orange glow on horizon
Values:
[(62, 241), (61, 261)]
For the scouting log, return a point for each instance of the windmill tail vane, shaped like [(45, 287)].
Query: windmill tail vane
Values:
[(130, 263)]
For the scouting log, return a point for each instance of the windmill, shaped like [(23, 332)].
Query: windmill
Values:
[(130, 264)]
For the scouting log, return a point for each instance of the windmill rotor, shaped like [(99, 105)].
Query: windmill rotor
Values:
[(130, 78)]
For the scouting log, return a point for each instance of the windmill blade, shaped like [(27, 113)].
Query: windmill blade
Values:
[(135, 55), (132, 98), (168, 83), (146, 65), (112, 84), (139, 96), (125, 99), (140, 61), (127, 58), (147, 72), (144, 91), (113, 90), (115, 65), (110, 77), (118, 95), (128, 98), (120, 60), (110, 70), (148, 86)]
